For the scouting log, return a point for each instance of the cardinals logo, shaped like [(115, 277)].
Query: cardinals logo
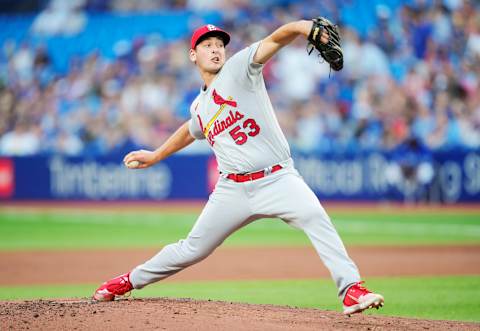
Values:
[(219, 100)]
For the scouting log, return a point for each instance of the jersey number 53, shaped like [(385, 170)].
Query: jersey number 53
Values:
[(250, 128)]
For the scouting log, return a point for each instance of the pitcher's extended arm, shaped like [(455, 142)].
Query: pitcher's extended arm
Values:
[(177, 141), (283, 36)]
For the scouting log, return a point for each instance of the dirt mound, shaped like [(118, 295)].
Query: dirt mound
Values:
[(186, 314)]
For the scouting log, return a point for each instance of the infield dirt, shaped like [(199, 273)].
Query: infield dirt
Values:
[(245, 263)]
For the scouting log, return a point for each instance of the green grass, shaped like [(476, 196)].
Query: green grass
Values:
[(108, 229), (448, 298)]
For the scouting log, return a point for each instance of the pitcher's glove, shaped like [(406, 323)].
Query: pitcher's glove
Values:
[(331, 51)]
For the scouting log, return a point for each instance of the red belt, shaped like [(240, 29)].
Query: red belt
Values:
[(240, 178)]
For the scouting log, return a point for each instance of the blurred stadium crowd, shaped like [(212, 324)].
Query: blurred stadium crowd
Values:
[(411, 76)]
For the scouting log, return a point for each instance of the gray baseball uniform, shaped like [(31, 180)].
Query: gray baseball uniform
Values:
[(234, 114)]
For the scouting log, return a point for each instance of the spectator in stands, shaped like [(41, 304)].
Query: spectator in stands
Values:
[(61, 18), (23, 140)]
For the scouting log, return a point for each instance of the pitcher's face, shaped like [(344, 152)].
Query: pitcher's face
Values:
[(209, 55)]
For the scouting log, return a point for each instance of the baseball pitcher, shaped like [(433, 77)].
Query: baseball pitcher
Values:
[(233, 113)]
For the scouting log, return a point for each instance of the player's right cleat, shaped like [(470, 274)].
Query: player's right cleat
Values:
[(117, 286), (359, 298)]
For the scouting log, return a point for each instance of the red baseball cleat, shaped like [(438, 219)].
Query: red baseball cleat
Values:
[(116, 286), (359, 298)]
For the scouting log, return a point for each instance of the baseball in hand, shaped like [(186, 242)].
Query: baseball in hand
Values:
[(133, 164)]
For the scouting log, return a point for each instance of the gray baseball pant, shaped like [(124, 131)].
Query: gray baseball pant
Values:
[(232, 205)]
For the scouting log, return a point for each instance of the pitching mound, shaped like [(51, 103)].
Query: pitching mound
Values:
[(186, 314)]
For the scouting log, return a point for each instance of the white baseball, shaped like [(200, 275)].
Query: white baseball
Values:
[(133, 164)]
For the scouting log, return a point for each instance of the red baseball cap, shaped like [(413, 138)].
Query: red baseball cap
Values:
[(209, 29)]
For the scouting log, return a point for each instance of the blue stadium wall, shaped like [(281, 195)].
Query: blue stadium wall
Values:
[(350, 178)]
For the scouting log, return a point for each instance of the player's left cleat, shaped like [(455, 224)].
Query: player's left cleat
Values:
[(359, 298), (117, 286)]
